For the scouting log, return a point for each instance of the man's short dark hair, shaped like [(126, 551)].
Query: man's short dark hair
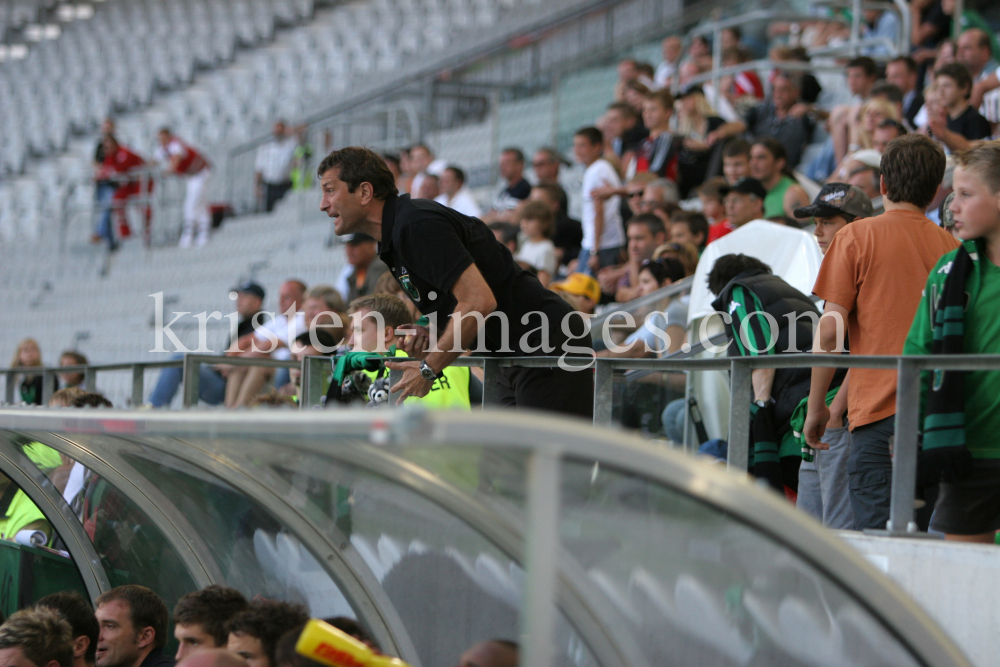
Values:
[(359, 165), (591, 134), (146, 610), (212, 607), (958, 73), (556, 193), (516, 152), (888, 91), (869, 66), (910, 63), (541, 213), (698, 224), (728, 267), (651, 221), (267, 620), (984, 37), (42, 634), (78, 358), (736, 147), (90, 399), (392, 309), (508, 232), (912, 168), (457, 171), (286, 656), (876, 176), (774, 147), (624, 108), (77, 612)]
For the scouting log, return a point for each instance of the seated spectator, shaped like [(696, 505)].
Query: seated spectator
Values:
[(546, 164), (645, 233), (569, 232), (392, 161), (731, 38), (974, 50), (713, 206), (273, 165), (254, 632), (902, 73), (37, 637), (273, 340), (782, 117), (76, 611), (429, 188), (420, 159), (658, 153), (628, 72), (700, 51), (880, 24), (537, 251), (325, 310), (625, 130), (744, 202), (506, 233), (885, 132), (603, 235), (672, 49), (133, 622), (212, 379), (516, 188), (956, 124), (28, 355), (685, 253), (455, 195), (659, 197), (690, 228), (494, 653), (836, 205), (862, 74), (810, 89), (957, 315), (648, 340), (871, 278), (366, 267), (374, 323), (743, 89), (868, 180), (314, 343), (90, 399), (746, 290), (769, 165), (735, 160), (201, 617), (72, 358), (696, 121), (873, 113), (583, 292)]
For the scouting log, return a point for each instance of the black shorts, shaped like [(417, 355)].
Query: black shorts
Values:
[(553, 389), (972, 506)]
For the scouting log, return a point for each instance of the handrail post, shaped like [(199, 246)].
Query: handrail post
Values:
[(90, 378), (604, 382), (9, 387), (395, 375), (190, 380), (491, 383), (716, 64), (904, 457), (538, 619), (138, 373), (47, 377), (855, 26), (311, 382), (740, 395)]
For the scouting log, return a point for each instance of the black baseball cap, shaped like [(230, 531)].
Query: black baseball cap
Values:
[(250, 287), (746, 186), (690, 90), (358, 238), (838, 199)]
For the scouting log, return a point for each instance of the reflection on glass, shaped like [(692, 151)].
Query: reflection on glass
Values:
[(697, 587)]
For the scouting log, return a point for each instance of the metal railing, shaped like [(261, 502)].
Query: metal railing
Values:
[(315, 370)]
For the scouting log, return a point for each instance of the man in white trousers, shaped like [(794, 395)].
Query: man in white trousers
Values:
[(182, 160)]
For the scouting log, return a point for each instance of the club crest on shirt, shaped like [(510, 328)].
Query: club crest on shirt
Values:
[(404, 281)]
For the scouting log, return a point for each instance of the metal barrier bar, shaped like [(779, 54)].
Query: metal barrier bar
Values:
[(538, 621), (193, 362), (904, 459), (604, 380), (740, 396)]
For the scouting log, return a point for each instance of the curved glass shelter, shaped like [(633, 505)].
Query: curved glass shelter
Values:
[(441, 530)]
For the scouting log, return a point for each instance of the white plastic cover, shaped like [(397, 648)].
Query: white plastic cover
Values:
[(792, 254)]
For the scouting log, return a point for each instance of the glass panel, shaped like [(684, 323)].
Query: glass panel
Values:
[(131, 548), (451, 586), (695, 586)]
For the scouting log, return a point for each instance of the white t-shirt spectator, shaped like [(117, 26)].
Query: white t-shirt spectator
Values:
[(598, 175), (663, 72), (283, 332), (675, 315), (463, 202), (274, 160), (539, 254)]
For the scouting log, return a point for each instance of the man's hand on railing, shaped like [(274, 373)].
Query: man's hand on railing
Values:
[(415, 341), (412, 383)]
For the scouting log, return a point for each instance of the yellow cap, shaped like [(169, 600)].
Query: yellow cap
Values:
[(580, 284), (326, 644)]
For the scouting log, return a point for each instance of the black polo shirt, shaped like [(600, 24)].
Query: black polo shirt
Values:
[(427, 247), (970, 124)]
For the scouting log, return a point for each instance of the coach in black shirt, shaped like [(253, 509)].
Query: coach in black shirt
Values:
[(449, 263)]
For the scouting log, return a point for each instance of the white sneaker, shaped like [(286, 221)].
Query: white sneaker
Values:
[(202, 239)]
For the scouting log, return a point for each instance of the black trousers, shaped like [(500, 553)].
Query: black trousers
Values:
[(274, 192), (552, 389)]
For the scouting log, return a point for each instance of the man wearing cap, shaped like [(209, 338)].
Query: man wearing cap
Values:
[(584, 292), (468, 285), (212, 379), (823, 477), (744, 201), (367, 268)]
